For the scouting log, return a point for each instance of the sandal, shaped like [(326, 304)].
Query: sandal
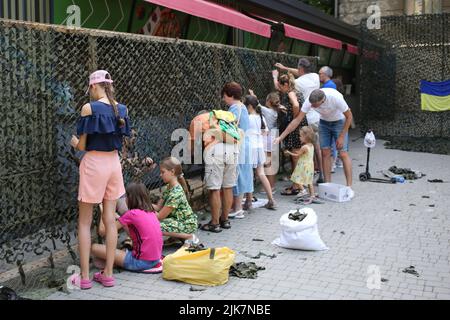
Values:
[(317, 200), (211, 227), (225, 224), (270, 205), (247, 205), (290, 191)]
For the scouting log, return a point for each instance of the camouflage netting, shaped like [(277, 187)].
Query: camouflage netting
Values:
[(44, 72), (394, 59)]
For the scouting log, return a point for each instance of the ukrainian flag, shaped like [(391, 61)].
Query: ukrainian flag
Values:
[(435, 96)]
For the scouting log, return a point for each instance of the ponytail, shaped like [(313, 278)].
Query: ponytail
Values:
[(109, 91), (172, 163), (183, 184), (259, 111)]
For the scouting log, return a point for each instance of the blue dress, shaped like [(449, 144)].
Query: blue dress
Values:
[(244, 182)]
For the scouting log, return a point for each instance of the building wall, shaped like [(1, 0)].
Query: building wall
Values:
[(353, 11)]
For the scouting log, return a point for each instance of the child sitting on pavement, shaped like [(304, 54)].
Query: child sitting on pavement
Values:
[(142, 224), (178, 221)]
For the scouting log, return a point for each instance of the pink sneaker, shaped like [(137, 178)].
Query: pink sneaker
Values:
[(83, 284), (105, 281)]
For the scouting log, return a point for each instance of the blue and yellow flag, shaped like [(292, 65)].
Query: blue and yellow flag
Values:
[(435, 96)]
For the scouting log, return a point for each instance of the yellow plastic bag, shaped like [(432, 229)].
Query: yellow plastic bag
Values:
[(208, 267)]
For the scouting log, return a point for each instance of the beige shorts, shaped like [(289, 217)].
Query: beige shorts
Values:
[(221, 166)]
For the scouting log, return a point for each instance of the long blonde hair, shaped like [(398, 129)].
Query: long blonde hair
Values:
[(172, 163)]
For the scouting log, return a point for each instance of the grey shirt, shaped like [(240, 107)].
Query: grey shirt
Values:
[(271, 117)]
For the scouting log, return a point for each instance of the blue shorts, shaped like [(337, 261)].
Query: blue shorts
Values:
[(329, 132), (132, 264)]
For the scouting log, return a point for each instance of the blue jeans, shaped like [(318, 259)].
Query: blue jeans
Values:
[(132, 264), (329, 131)]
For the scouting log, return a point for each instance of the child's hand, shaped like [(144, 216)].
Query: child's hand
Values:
[(286, 153), (74, 142), (275, 74), (279, 65), (147, 161), (252, 93)]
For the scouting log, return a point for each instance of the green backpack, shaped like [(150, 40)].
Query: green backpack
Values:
[(226, 122)]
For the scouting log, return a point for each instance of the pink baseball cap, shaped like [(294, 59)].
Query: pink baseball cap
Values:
[(99, 76)]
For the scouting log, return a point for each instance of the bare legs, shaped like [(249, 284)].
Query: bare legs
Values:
[(108, 217), (220, 203), (107, 226), (265, 182), (227, 202), (100, 251), (214, 203), (347, 162), (84, 236), (326, 154), (319, 160), (326, 158)]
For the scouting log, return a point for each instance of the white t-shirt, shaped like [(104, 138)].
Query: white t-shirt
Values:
[(306, 84), (332, 109), (255, 132)]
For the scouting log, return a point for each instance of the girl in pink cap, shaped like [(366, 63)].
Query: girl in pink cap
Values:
[(101, 127)]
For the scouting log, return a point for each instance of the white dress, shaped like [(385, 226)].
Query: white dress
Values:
[(255, 133)]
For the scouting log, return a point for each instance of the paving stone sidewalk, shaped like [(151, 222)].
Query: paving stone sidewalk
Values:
[(385, 227)]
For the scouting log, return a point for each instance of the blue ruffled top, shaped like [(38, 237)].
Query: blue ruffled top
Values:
[(102, 128)]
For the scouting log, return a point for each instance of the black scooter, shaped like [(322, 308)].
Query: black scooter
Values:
[(369, 142)]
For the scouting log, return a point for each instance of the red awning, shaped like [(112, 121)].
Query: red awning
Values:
[(312, 37), (217, 13), (352, 49)]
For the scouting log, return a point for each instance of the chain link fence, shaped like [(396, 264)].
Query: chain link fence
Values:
[(394, 59), (44, 73)]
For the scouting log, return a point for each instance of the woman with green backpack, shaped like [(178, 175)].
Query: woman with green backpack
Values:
[(232, 94)]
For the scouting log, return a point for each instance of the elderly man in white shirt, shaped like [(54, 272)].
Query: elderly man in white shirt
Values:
[(335, 120)]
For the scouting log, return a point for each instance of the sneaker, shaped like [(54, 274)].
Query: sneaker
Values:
[(235, 214), (350, 193), (333, 168), (156, 269), (339, 163), (240, 215)]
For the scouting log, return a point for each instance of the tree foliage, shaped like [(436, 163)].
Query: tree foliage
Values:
[(326, 6)]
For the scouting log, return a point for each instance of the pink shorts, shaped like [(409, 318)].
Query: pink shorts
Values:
[(100, 177)]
